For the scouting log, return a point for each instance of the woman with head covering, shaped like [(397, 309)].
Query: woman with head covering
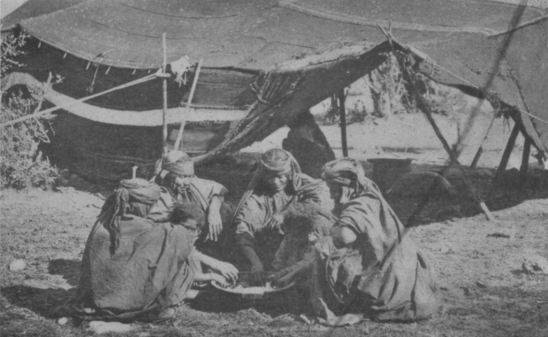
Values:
[(185, 187), (134, 268), (368, 266), (277, 182)]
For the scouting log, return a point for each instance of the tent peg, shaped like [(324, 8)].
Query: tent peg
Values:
[(134, 172), (39, 44), (134, 71), (108, 69), (87, 65), (65, 55)]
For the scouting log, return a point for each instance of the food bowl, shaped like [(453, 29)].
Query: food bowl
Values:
[(251, 292)]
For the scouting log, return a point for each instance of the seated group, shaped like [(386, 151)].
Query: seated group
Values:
[(337, 238)]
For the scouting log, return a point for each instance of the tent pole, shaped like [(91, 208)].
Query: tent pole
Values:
[(507, 151), (188, 103), (525, 158), (342, 122), (480, 149), (452, 155), (164, 95)]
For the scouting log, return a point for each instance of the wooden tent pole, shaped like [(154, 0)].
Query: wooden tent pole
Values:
[(452, 155), (164, 95), (525, 158), (484, 139), (507, 151), (342, 122), (188, 103)]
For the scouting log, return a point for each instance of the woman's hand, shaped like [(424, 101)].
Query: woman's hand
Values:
[(215, 226), (221, 280), (227, 270), (275, 223)]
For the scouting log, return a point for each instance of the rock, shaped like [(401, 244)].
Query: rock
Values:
[(534, 264), (62, 321), (481, 284), (100, 327), (499, 235), (466, 291), (17, 265), (51, 282)]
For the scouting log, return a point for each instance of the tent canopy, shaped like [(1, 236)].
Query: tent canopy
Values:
[(306, 49)]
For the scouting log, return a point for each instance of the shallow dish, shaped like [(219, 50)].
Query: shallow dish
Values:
[(238, 289)]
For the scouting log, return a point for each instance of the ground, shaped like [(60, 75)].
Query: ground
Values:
[(478, 263)]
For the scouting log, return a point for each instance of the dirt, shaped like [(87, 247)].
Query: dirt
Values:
[(477, 262)]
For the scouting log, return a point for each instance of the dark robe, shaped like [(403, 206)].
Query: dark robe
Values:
[(382, 275), (149, 271)]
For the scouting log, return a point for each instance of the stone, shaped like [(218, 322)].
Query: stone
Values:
[(534, 264), (17, 265)]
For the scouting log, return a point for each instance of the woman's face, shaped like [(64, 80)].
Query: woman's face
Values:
[(339, 193), (181, 181), (276, 182)]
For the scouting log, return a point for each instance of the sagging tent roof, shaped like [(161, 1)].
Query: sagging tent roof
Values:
[(307, 49), (33, 8)]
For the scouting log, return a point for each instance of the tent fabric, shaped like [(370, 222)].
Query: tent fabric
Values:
[(458, 42), (33, 8), (250, 34), (99, 114), (220, 88)]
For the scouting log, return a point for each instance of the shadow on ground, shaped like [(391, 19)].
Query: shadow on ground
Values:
[(69, 269), (290, 301), (43, 302)]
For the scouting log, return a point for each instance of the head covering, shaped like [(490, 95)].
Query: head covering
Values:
[(349, 172), (133, 196), (278, 161), (179, 163)]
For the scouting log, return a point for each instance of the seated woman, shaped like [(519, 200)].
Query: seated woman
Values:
[(277, 183), (134, 268), (368, 267), (184, 186)]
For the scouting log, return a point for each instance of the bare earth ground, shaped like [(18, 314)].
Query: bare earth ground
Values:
[(478, 262)]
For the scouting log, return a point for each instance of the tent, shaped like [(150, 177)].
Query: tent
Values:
[(265, 63)]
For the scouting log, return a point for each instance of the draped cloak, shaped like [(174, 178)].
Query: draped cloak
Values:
[(150, 270)]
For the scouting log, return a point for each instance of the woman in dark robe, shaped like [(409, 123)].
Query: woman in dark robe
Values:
[(134, 268), (277, 182), (368, 267)]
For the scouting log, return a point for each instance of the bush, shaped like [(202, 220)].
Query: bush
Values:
[(21, 163)]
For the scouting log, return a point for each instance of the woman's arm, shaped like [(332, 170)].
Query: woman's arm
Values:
[(226, 269), (214, 218)]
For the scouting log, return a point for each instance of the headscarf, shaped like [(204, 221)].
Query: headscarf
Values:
[(278, 161), (349, 172), (133, 196), (180, 163)]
